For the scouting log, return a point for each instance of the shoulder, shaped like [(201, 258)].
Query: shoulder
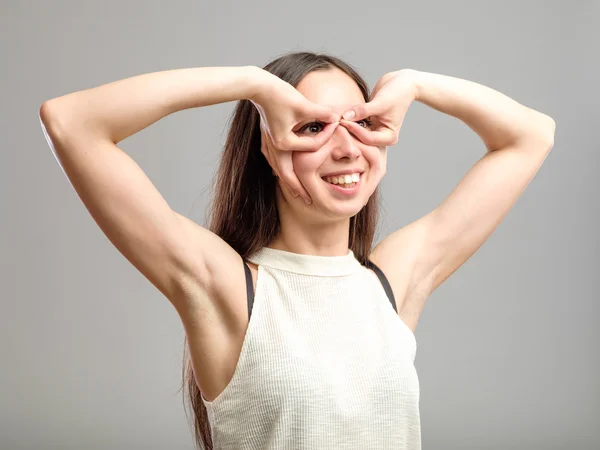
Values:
[(404, 260)]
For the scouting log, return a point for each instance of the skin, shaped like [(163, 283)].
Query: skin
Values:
[(322, 227), (194, 268)]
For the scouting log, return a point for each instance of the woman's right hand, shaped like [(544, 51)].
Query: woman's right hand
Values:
[(284, 112)]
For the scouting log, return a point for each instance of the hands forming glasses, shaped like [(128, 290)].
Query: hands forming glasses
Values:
[(284, 111)]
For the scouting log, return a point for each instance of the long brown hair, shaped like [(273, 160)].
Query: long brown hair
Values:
[(244, 193)]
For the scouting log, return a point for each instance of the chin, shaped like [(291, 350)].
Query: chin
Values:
[(345, 210)]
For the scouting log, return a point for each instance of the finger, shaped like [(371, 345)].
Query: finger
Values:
[(284, 184), (385, 137), (265, 149), (325, 134), (289, 176), (360, 132), (291, 179), (362, 111), (311, 143), (321, 113), (270, 154)]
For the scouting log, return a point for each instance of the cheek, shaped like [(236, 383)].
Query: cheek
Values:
[(377, 159), (306, 164)]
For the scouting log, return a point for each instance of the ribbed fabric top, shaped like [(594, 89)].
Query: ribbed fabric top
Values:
[(320, 266), (326, 362)]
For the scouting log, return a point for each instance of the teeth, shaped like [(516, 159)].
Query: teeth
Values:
[(344, 179)]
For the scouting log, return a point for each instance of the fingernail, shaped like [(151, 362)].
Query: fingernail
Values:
[(307, 201), (294, 193), (348, 115)]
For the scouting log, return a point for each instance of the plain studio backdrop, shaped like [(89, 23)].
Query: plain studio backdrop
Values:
[(508, 348)]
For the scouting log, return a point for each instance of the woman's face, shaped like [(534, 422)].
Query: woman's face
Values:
[(341, 152)]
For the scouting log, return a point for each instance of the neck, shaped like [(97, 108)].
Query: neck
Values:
[(298, 235)]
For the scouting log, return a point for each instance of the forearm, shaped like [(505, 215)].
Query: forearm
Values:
[(499, 120), (120, 109)]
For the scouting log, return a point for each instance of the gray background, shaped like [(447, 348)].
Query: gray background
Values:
[(508, 348)]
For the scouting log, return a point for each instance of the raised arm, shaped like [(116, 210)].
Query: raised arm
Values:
[(517, 139), (83, 129), (420, 256)]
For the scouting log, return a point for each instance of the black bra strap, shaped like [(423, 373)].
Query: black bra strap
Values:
[(249, 289), (386, 285)]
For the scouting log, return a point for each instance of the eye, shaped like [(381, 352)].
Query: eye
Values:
[(312, 127), (367, 123)]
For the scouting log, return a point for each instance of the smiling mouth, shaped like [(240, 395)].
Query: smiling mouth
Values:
[(345, 188), (343, 181), (343, 185)]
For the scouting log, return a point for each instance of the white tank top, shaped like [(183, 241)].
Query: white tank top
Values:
[(326, 362)]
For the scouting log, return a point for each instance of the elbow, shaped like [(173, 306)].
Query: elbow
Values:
[(64, 116), (52, 118), (48, 116), (540, 130), (546, 129), (44, 113), (550, 130)]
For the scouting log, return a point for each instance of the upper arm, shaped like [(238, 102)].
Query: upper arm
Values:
[(128, 208), (421, 255), (468, 216)]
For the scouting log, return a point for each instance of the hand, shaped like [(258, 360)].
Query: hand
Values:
[(283, 167), (390, 99), (284, 111)]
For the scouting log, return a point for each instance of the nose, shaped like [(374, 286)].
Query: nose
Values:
[(344, 144)]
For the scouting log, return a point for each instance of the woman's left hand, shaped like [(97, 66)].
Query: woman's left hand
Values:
[(389, 102)]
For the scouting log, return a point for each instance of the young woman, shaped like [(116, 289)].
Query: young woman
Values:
[(300, 334)]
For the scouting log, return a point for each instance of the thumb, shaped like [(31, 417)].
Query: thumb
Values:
[(323, 113), (362, 111)]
